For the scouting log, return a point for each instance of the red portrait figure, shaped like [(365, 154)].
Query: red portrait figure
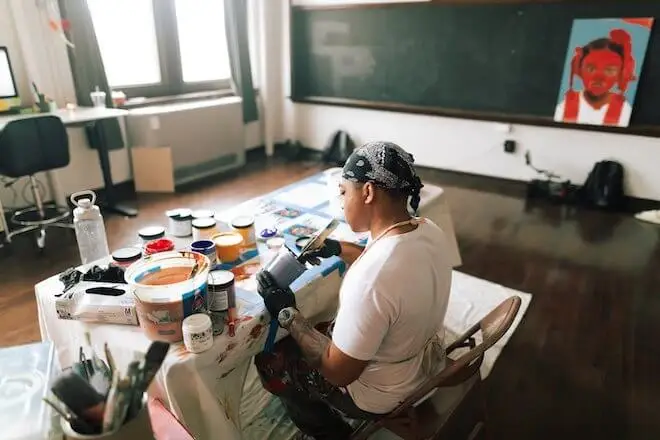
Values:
[(606, 67)]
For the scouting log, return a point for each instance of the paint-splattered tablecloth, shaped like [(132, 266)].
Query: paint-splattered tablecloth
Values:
[(204, 390)]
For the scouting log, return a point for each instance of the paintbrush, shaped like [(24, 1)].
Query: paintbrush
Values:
[(77, 424)]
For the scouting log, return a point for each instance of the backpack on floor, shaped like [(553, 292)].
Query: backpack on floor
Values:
[(604, 186), (338, 149)]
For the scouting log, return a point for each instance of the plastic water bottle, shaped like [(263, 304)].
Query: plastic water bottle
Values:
[(90, 230)]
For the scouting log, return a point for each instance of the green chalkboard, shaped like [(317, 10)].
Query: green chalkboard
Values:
[(496, 61)]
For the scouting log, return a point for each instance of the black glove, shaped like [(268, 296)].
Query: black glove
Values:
[(330, 248), (275, 297)]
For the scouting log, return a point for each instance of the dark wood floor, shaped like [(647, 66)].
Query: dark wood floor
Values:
[(584, 363)]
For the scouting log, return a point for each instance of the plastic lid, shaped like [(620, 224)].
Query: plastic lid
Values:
[(275, 243), (202, 245), (220, 277), (228, 239), (85, 203), (179, 214), (127, 254), (151, 232), (203, 223), (197, 323), (202, 213), (243, 221)]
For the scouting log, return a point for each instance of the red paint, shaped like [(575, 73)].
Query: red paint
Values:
[(256, 331), (159, 245), (600, 71), (231, 346)]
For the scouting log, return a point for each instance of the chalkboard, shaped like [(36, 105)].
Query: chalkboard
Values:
[(489, 61)]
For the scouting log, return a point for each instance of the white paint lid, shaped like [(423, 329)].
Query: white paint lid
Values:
[(243, 221), (203, 223), (275, 243), (220, 277), (150, 232), (203, 213), (196, 323)]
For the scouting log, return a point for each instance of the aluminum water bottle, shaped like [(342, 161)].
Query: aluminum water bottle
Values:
[(90, 230)]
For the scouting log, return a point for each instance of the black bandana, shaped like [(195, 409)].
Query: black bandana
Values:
[(386, 165)]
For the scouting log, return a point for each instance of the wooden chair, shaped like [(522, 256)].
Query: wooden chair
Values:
[(416, 418)]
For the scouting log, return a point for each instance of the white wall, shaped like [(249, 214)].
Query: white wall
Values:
[(475, 146)]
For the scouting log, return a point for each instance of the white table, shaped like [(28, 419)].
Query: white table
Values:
[(78, 117), (204, 391)]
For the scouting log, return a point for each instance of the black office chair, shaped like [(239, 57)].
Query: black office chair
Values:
[(29, 146)]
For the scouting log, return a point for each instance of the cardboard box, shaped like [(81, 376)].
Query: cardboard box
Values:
[(79, 305), (153, 169)]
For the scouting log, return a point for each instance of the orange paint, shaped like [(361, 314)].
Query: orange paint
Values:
[(646, 22)]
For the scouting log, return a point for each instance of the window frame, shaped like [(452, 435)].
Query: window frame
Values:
[(169, 58)]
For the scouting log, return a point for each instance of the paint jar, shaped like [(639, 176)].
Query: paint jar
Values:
[(205, 247), (203, 228), (244, 225), (160, 245), (166, 294), (124, 257), (272, 248), (221, 290), (228, 246), (150, 233), (285, 267), (180, 222), (197, 333), (202, 213)]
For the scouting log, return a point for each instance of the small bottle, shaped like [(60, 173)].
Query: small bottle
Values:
[(197, 333), (90, 230)]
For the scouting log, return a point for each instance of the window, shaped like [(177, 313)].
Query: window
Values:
[(162, 47)]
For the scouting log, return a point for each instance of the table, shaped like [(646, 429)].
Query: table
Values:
[(78, 117), (205, 390)]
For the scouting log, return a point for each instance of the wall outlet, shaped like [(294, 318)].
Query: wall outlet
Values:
[(509, 146)]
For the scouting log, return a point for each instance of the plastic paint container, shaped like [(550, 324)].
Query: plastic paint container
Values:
[(221, 291), (151, 233), (197, 333), (205, 247), (244, 224), (203, 228), (165, 294), (180, 222), (273, 247), (285, 267), (228, 246), (160, 245), (202, 213), (124, 257)]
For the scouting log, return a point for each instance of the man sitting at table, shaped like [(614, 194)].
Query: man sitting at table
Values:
[(385, 340)]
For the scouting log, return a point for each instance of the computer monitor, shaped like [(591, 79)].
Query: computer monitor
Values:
[(7, 82)]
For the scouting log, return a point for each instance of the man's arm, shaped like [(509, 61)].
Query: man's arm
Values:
[(338, 368), (350, 251)]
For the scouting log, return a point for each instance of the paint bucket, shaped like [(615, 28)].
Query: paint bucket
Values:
[(244, 225), (205, 247), (228, 246), (285, 267), (165, 294)]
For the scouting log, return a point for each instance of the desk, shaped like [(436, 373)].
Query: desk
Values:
[(205, 390), (80, 117)]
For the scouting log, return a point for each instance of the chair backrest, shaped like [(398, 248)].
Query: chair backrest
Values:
[(493, 326), (33, 144)]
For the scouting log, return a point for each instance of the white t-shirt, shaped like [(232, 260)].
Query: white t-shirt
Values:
[(392, 301), (589, 115)]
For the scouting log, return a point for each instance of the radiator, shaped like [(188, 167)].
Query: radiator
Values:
[(206, 137)]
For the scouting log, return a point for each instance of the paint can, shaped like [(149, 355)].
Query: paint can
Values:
[(180, 222), (150, 233), (197, 333), (202, 213), (244, 225), (273, 247), (228, 246), (166, 294), (221, 291), (203, 228), (285, 267), (205, 247)]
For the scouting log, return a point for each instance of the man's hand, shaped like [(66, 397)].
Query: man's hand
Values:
[(275, 297), (330, 248)]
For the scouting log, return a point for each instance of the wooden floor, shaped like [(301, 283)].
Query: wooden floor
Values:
[(584, 363)]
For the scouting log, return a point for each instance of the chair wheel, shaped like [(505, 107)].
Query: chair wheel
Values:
[(41, 239)]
